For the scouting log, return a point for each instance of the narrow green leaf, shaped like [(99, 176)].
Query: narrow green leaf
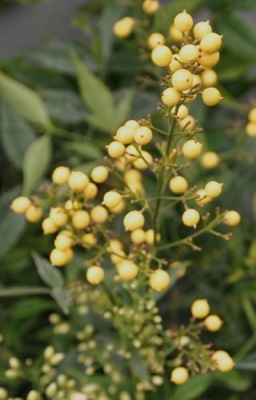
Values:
[(231, 68), (50, 275), (62, 298), (25, 101), (139, 368), (86, 149), (36, 161), (123, 107), (100, 123), (12, 227), (193, 388), (6, 199), (95, 94), (16, 135)]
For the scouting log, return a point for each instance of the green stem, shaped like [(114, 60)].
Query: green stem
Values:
[(23, 291)]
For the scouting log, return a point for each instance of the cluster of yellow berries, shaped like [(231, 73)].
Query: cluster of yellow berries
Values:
[(250, 128)]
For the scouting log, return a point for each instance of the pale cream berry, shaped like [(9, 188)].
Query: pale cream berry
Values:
[(34, 213), (210, 160), (211, 43), (132, 123), (99, 214), (211, 96), (124, 27), (114, 245), (183, 21), (58, 257), (119, 207), (250, 129), (78, 181), (161, 56), (200, 308), (182, 79), (178, 184), (133, 220), (179, 375), (201, 29), (125, 134), (180, 111), (63, 240), (176, 63), (3, 393), (202, 199), (144, 161), (196, 80), (191, 149), (189, 53), (20, 204), (48, 226), (223, 361), (232, 218), (88, 240), (252, 115), (112, 199), (190, 217), (80, 219), (213, 189), (209, 77), (117, 256), (143, 135), (132, 153), (127, 270), (175, 34), (95, 274), (138, 236), (171, 97), (155, 39), (208, 60), (91, 191), (159, 280), (60, 175), (59, 216), (115, 149), (187, 123), (213, 323), (99, 174), (33, 395), (136, 187), (150, 6), (150, 236), (132, 175)]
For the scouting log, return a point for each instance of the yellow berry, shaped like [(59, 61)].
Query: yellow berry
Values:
[(133, 220), (161, 56), (150, 6), (132, 123), (223, 361), (211, 96), (201, 29), (191, 149), (190, 217), (210, 160), (143, 135), (178, 184), (182, 79), (117, 256), (144, 161), (250, 129), (132, 175), (125, 134), (155, 39), (213, 323), (176, 63), (119, 207), (63, 240), (211, 43), (181, 112), (232, 218), (95, 275), (200, 308), (131, 153), (171, 97), (183, 21), (179, 375), (89, 240), (209, 77), (202, 199), (150, 236), (252, 115), (80, 219), (60, 175), (91, 191), (99, 174), (114, 245), (111, 199), (20, 204), (138, 236), (213, 189), (48, 226), (159, 280), (59, 216), (208, 60), (78, 181), (187, 123), (99, 214), (175, 34), (127, 270), (189, 53), (34, 213), (123, 27), (58, 257), (115, 149), (135, 187)]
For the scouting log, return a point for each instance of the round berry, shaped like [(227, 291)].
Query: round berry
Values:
[(48, 226), (150, 6), (132, 123), (213, 323), (190, 217), (91, 191), (80, 219), (34, 213), (182, 79), (63, 240), (59, 216), (132, 175), (95, 275), (178, 184), (171, 97), (144, 161), (211, 96), (191, 149), (133, 220), (210, 160), (181, 112), (232, 218), (213, 189), (159, 280), (119, 207), (187, 123), (200, 308), (161, 56), (175, 34), (202, 199), (223, 361), (115, 149), (189, 53), (60, 175), (155, 39), (124, 27), (250, 129), (132, 153), (208, 60), (211, 43), (112, 199), (150, 236), (78, 181), (99, 174), (143, 135), (209, 77), (176, 63), (89, 240), (183, 21), (252, 115), (99, 214), (127, 270), (201, 29), (138, 236), (20, 204), (179, 375), (58, 257), (125, 134)]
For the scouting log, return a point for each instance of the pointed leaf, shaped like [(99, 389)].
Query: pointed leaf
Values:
[(193, 388), (36, 161), (50, 275), (123, 107), (86, 149), (16, 135), (12, 227), (25, 101), (62, 298)]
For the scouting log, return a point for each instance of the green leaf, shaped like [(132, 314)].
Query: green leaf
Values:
[(50, 275), (123, 107), (139, 368), (100, 123), (6, 199), (62, 298), (86, 149), (16, 135), (244, 5), (231, 68), (12, 227), (239, 37), (193, 388), (25, 101), (36, 161), (95, 94), (235, 380)]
